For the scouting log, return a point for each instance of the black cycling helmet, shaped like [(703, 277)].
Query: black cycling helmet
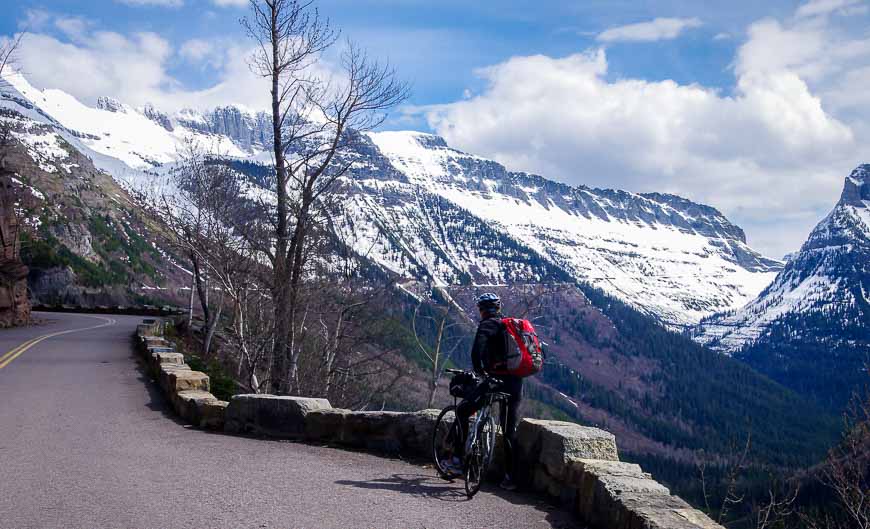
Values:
[(489, 303)]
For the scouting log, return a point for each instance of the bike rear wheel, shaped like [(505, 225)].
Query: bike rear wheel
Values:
[(443, 441)]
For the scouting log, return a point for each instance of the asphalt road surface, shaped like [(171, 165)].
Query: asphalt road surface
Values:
[(86, 442)]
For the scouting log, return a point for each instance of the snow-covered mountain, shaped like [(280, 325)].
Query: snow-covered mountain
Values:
[(810, 329), (423, 210), (670, 257), (830, 274)]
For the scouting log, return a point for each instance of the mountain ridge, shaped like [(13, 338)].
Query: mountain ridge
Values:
[(810, 328), (674, 259)]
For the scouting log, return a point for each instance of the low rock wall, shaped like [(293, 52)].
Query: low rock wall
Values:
[(185, 389), (575, 464)]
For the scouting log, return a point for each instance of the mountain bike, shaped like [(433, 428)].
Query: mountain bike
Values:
[(480, 443)]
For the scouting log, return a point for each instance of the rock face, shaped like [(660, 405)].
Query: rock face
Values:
[(248, 130), (14, 304), (158, 117), (110, 104)]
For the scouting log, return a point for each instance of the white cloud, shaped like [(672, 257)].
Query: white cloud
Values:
[(75, 28), (231, 3), (161, 3), (656, 29), (134, 69), (201, 51), (826, 7), (772, 155)]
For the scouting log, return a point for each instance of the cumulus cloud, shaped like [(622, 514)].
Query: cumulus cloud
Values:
[(656, 29), (772, 154), (825, 7), (231, 3), (161, 3), (88, 63)]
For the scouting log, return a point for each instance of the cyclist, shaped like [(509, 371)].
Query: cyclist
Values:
[(491, 342)]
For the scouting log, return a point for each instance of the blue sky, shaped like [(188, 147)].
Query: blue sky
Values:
[(758, 108), (439, 45)]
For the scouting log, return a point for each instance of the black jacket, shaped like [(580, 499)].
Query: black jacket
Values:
[(490, 341)]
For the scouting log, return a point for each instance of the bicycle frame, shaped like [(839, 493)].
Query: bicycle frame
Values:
[(483, 415)]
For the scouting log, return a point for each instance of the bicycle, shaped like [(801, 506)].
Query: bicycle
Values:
[(480, 443)]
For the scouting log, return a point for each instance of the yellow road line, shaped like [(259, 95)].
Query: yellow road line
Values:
[(15, 350), (7, 358)]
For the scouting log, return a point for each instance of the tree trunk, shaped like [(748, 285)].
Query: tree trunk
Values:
[(211, 326), (283, 319), (190, 302), (434, 390)]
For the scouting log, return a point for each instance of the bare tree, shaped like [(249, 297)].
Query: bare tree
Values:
[(847, 468), (195, 207), (735, 465), (8, 49), (311, 116), (442, 349)]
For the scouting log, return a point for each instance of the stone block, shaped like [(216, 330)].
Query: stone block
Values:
[(415, 432), (163, 372), (212, 414), (178, 380), (645, 511), (167, 358), (544, 482), (374, 430), (614, 500), (188, 404), (555, 443), (585, 474), (271, 415), (325, 425)]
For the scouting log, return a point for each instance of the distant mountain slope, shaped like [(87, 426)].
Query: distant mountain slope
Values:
[(810, 329), (671, 258)]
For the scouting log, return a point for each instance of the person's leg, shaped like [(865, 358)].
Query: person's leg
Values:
[(513, 387), (464, 411)]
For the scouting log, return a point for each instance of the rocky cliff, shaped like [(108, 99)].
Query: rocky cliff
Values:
[(14, 304)]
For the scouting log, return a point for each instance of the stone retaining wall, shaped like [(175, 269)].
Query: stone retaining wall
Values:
[(577, 464)]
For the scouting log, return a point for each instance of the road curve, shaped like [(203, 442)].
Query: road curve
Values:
[(86, 443)]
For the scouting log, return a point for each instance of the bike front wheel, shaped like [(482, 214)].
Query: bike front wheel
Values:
[(444, 439), (479, 457)]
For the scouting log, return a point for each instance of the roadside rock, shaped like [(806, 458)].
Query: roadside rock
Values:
[(554, 444), (326, 425), (271, 415), (374, 430), (189, 404), (212, 414)]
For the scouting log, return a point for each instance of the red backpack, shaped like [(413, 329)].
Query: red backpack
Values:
[(523, 354)]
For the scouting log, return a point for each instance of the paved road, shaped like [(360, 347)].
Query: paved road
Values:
[(87, 443)]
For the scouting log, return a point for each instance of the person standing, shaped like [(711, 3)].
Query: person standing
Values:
[(491, 341)]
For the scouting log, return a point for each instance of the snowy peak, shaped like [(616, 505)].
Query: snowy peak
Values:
[(674, 259), (849, 221), (828, 275), (110, 105), (856, 191)]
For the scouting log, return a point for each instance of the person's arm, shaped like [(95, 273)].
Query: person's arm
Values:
[(486, 330), (478, 350)]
